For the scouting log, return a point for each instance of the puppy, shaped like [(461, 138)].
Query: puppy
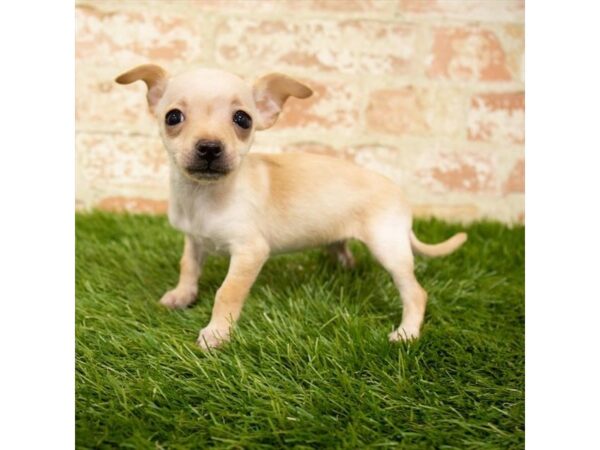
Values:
[(254, 205)]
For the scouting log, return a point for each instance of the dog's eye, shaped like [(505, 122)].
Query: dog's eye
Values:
[(242, 119), (174, 117)]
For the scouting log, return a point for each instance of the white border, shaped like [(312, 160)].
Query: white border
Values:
[(563, 230), (37, 234), (37, 225)]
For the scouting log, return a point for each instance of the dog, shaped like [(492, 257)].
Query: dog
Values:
[(253, 205)]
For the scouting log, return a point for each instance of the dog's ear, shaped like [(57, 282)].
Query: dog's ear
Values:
[(155, 78), (270, 93)]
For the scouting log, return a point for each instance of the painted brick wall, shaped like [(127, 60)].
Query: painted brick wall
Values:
[(427, 92)]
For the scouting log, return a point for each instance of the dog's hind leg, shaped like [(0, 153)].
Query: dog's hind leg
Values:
[(389, 241)]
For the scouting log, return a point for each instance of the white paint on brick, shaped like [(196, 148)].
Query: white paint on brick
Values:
[(502, 125)]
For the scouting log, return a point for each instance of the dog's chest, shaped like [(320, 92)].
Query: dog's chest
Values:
[(207, 223)]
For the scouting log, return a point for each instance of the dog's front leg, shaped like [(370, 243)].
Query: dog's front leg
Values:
[(187, 288), (244, 267)]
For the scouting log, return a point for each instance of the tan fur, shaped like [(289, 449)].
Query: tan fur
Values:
[(264, 204), (441, 249), (270, 93), (187, 288), (154, 76)]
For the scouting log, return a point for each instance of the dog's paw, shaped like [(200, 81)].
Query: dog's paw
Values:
[(178, 298), (212, 337), (404, 333)]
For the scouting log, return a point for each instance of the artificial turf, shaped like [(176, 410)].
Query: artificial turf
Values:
[(310, 365)]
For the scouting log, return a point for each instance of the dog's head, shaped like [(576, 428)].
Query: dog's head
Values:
[(207, 117)]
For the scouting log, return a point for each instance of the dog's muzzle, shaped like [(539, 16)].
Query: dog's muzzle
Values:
[(209, 160)]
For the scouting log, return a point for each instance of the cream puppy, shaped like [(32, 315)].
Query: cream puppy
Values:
[(254, 205)]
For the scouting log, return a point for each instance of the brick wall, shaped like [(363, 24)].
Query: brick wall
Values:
[(428, 92)]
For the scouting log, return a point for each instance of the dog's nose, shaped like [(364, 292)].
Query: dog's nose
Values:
[(209, 150)]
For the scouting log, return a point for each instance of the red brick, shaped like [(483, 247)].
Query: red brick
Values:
[(102, 104), (468, 54), (332, 105), (125, 38), (417, 110), (445, 211), (383, 159), (515, 183), (484, 10), (115, 161), (279, 6), (514, 44), (337, 6), (497, 117), (376, 157), (318, 45), (457, 172), (133, 204)]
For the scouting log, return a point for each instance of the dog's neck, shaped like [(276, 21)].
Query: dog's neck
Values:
[(185, 187)]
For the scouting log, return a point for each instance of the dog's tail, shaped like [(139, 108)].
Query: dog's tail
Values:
[(441, 249)]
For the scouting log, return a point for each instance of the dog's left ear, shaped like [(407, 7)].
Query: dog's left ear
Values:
[(270, 93), (155, 78)]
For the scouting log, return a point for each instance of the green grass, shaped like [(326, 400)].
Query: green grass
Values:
[(309, 365)]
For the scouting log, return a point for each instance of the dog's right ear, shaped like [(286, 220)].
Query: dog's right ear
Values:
[(155, 78)]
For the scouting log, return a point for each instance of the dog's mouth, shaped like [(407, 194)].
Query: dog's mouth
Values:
[(209, 173)]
